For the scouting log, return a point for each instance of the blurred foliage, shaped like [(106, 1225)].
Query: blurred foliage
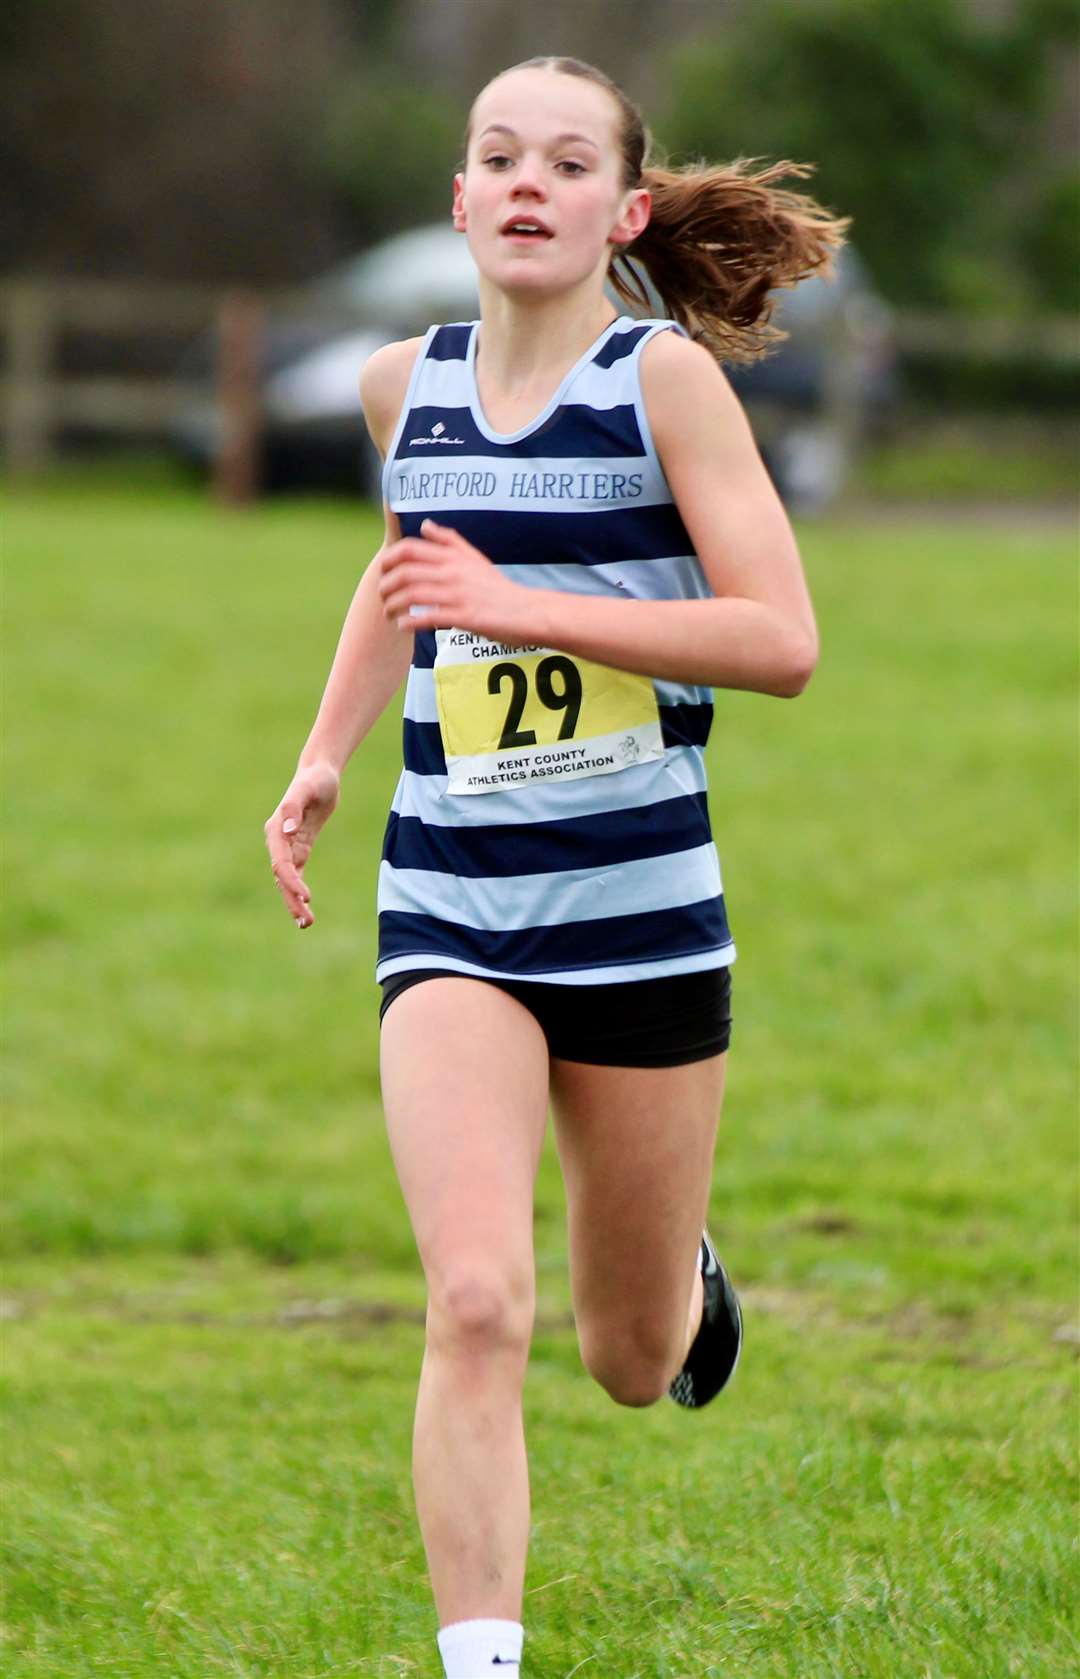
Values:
[(976, 460), (979, 383), (925, 123), (265, 140), (385, 143), (165, 141), (1051, 236)]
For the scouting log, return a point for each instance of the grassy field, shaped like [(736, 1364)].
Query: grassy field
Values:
[(213, 1304)]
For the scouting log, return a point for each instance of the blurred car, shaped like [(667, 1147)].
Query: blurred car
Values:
[(810, 402)]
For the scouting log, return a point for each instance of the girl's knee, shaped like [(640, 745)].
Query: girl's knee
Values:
[(475, 1308), (634, 1385), (633, 1369)]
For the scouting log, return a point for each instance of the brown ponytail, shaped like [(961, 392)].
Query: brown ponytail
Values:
[(720, 237), (718, 240)]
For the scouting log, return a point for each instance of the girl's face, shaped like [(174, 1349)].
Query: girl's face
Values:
[(543, 150)]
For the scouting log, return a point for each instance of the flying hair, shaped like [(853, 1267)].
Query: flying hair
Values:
[(720, 238)]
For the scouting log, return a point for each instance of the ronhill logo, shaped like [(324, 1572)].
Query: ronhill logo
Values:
[(436, 436)]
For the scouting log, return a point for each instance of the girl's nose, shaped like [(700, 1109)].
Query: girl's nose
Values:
[(529, 178)]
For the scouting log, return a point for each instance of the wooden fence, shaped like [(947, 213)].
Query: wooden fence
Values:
[(39, 397)]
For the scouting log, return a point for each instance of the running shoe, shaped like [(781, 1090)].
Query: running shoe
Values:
[(710, 1363)]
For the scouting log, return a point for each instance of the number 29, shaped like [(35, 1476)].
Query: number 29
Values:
[(567, 700)]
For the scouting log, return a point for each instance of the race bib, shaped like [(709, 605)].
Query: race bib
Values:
[(514, 715)]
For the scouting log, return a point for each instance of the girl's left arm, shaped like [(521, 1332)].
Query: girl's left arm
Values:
[(757, 633)]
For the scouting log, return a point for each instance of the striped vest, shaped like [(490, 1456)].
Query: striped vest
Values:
[(611, 876)]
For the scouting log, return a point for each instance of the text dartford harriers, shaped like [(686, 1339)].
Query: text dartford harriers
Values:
[(423, 485)]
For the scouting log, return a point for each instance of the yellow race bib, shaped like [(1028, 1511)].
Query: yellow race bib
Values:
[(512, 715)]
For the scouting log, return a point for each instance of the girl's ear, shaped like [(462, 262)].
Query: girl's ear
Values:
[(458, 211), (634, 218)]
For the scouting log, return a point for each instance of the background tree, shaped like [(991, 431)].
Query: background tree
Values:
[(265, 140), (166, 141), (924, 121), (387, 147)]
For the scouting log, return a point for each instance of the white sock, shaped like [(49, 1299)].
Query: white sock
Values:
[(482, 1649)]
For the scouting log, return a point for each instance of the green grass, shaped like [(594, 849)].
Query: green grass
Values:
[(213, 1300)]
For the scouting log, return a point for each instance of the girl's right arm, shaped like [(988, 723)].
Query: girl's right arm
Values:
[(371, 660)]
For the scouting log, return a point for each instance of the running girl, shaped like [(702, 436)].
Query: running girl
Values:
[(581, 543)]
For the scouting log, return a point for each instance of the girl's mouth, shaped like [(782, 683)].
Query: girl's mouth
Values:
[(525, 228)]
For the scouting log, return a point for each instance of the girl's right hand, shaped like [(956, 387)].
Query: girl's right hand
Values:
[(291, 832)]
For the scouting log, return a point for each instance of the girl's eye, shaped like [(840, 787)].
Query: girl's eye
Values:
[(497, 159)]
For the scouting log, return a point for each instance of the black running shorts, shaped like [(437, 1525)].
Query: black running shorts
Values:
[(636, 1023)]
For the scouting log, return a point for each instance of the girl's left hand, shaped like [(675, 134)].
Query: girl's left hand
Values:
[(449, 582)]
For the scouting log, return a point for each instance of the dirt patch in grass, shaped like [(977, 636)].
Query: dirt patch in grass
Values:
[(916, 1324)]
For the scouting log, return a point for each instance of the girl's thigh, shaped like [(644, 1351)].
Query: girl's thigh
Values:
[(636, 1146), (465, 1082)]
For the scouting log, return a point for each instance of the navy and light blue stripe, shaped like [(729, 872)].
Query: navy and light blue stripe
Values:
[(607, 878)]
